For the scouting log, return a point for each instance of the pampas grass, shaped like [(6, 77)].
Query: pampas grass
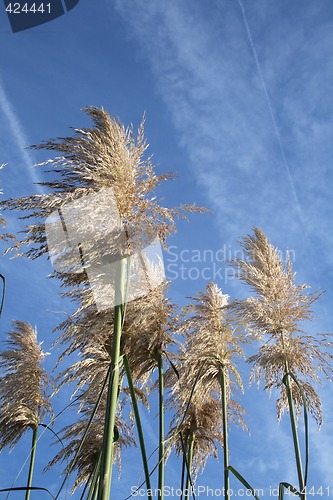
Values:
[(208, 379), (276, 314), (289, 360), (23, 385), (23, 389)]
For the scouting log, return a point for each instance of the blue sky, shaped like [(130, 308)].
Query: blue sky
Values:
[(238, 103)]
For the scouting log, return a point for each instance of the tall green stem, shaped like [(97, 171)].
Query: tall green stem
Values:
[(95, 493), (161, 429), (93, 481), (225, 435), (189, 465), (295, 436), (139, 427), (32, 461), (183, 477), (112, 395)]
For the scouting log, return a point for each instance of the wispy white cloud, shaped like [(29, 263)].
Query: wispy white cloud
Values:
[(205, 71)]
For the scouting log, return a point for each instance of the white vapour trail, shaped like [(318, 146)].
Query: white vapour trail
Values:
[(269, 104), (278, 135), (18, 134)]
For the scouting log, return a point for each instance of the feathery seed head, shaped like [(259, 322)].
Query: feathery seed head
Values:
[(95, 159), (211, 344), (307, 357), (212, 337), (148, 331), (90, 450), (23, 384), (278, 310), (280, 305), (202, 422)]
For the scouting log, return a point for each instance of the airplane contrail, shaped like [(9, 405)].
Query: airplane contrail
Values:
[(278, 135)]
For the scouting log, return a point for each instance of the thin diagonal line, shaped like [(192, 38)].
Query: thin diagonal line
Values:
[(278, 135)]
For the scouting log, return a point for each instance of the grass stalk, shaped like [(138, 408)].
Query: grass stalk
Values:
[(32, 461), (70, 467), (243, 481), (297, 450), (161, 451), (93, 481), (3, 292), (225, 435), (95, 492), (112, 395), (182, 477), (139, 427), (189, 466)]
